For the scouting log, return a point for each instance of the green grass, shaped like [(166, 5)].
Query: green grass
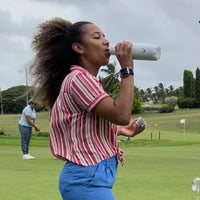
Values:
[(150, 173), (154, 169), (9, 123), (154, 173), (28, 179), (166, 123)]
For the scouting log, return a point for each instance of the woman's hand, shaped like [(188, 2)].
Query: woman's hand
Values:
[(36, 129), (123, 51), (130, 130)]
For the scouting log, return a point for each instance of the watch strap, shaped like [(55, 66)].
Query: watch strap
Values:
[(126, 72)]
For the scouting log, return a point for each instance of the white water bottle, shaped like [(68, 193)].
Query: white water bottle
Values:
[(143, 51)]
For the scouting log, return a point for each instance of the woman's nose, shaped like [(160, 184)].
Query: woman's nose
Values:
[(106, 42)]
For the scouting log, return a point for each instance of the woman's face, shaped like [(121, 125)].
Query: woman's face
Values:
[(95, 45), (32, 105)]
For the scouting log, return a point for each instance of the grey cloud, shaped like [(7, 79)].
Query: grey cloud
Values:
[(9, 27), (172, 24), (75, 2)]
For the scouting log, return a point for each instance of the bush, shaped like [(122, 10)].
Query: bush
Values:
[(137, 107), (197, 103), (186, 103), (171, 101), (150, 107), (166, 109), (1, 132)]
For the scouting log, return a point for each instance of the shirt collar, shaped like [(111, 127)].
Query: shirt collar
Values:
[(77, 67), (81, 69)]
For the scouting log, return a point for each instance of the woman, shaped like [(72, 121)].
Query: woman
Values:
[(27, 121), (85, 121)]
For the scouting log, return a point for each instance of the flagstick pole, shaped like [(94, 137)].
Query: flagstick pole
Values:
[(182, 121)]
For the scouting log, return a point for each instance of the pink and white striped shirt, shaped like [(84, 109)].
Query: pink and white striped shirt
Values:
[(77, 134)]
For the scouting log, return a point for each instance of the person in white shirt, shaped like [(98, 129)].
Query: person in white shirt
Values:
[(26, 123)]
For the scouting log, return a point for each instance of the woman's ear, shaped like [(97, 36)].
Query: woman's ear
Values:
[(78, 48)]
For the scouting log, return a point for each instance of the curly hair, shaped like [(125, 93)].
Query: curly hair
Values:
[(54, 56)]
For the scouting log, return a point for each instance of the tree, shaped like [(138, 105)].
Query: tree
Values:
[(114, 91), (143, 96), (111, 68), (112, 78), (170, 90), (149, 94), (111, 85), (14, 99), (161, 94), (197, 84), (136, 93), (137, 106), (178, 92), (171, 101), (188, 84), (155, 95)]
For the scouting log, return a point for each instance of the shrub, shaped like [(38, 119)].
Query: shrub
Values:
[(171, 101), (137, 107), (197, 103), (150, 107), (186, 103), (1, 132), (166, 109)]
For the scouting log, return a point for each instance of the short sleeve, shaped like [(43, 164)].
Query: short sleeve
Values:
[(27, 111), (87, 91)]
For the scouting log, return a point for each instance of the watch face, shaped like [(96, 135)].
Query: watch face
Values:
[(125, 72)]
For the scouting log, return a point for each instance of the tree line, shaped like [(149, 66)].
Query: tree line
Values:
[(15, 98), (186, 96)]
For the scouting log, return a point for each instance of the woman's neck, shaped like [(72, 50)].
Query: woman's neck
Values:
[(91, 68)]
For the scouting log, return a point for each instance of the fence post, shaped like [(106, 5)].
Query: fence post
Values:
[(159, 135)]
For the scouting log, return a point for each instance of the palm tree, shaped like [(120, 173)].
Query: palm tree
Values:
[(170, 91), (155, 95), (113, 77), (149, 94), (110, 68)]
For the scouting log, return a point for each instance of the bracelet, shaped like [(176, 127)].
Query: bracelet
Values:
[(126, 72)]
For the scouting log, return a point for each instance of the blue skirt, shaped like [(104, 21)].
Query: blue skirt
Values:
[(88, 183)]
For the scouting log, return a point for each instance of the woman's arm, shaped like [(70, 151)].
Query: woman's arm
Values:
[(119, 111), (32, 123)]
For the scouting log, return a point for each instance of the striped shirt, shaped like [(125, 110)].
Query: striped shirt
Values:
[(77, 134)]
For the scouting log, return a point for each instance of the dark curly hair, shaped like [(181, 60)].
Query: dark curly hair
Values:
[(54, 56)]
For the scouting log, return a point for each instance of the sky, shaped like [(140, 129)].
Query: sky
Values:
[(171, 24)]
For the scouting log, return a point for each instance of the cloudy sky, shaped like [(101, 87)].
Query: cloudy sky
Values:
[(172, 24)]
